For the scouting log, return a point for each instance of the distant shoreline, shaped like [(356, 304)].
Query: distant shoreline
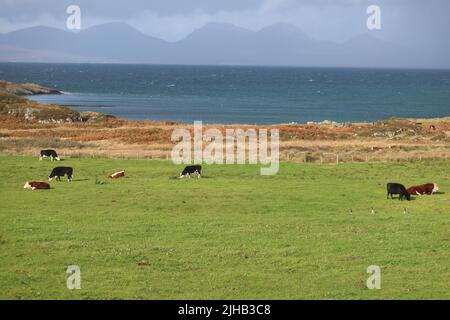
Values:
[(230, 65)]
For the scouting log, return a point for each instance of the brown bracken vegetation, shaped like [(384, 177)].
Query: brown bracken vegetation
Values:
[(390, 140)]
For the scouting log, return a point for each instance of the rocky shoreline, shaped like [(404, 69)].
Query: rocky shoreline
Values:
[(13, 104), (25, 89)]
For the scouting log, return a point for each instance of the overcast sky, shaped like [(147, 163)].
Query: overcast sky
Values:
[(408, 22)]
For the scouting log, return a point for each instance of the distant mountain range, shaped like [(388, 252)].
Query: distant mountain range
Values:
[(213, 44)]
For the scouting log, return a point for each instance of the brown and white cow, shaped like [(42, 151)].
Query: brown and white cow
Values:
[(36, 185), (117, 175), (428, 189)]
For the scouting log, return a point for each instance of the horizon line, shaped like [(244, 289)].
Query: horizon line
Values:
[(232, 65)]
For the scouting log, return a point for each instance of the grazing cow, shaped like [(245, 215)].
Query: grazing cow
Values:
[(59, 172), (396, 188), (190, 170), (49, 153), (428, 189), (117, 175), (36, 185)]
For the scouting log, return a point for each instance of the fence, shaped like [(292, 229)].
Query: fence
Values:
[(285, 156)]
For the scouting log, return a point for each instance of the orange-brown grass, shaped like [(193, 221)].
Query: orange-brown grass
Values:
[(391, 140)]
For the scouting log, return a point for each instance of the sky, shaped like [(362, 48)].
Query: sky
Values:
[(406, 22)]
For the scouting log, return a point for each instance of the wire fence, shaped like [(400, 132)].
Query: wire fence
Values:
[(286, 156)]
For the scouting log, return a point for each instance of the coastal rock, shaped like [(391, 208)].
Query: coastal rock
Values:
[(13, 105), (25, 89), (91, 116), (18, 107)]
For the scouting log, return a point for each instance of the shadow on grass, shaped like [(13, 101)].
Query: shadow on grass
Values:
[(192, 178), (398, 199)]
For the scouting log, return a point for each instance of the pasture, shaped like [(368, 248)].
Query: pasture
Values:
[(232, 235)]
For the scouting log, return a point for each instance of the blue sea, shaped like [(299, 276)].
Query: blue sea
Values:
[(238, 94)]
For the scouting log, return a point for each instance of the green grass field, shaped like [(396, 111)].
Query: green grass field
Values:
[(232, 235)]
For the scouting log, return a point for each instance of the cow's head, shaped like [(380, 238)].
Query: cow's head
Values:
[(27, 185), (50, 178), (435, 188)]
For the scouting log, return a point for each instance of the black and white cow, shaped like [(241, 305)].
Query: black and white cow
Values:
[(191, 170), (59, 172), (49, 153), (397, 188)]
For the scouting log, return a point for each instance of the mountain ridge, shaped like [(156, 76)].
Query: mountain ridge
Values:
[(214, 43)]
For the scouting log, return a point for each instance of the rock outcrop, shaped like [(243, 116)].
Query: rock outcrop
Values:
[(23, 109), (91, 116), (25, 89), (12, 104)]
